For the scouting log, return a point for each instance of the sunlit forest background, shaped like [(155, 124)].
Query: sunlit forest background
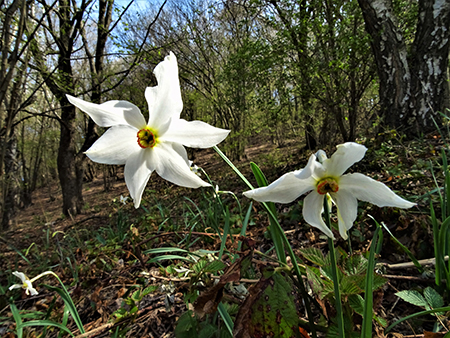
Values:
[(308, 73)]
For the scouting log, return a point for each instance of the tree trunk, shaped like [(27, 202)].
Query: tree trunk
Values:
[(70, 168), (412, 88)]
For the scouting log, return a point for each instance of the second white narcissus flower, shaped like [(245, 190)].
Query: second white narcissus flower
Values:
[(328, 178), (27, 284), (154, 146)]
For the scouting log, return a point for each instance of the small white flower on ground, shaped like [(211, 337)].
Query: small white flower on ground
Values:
[(123, 200), (194, 168), (154, 146), (26, 284), (328, 178)]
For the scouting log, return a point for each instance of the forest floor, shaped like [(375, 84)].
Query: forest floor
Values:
[(102, 255)]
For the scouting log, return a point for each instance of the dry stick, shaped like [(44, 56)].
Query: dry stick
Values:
[(96, 330), (428, 261)]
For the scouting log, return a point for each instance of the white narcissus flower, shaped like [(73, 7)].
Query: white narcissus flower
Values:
[(328, 178), (123, 200), (26, 284), (154, 146), (195, 169)]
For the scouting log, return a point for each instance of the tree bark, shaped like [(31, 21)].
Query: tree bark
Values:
[(412, 87)]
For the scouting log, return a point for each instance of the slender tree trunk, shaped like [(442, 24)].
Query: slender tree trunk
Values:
[(412, 88), (70, 170)]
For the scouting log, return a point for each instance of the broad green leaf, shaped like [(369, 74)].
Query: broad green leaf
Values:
[(316, 283), (270, 309), (208, 331), (186, 326), (215, 266), (355, 265), (433, 298), (315, 256), (356, 302), (413, 297), (348, 286)]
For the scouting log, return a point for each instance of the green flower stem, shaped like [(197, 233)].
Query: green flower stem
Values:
[(280, 233), (337, 293), (66, 297)]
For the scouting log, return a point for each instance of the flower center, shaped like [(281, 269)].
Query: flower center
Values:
[(327, 185), (146, 138)]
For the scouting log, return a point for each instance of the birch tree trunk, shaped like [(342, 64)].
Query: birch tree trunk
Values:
[(414, 85)]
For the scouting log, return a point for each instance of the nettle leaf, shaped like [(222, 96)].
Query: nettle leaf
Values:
[(356, 302), (378, 281), (313, 277), (270, 309), (413, 297), (328, 273), (433, 298), (355, 265), (200, 265), (347, 286), (314, 255), (215, 266)]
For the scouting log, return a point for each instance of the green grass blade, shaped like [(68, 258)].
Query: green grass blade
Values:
[(276, 236), (18, 319), (168, 257), (366, 329), (70, 305), (409, 253), (226, 229), (245, 224), (418, 314), (47, 323), (226, 318), (232, 166), (164, 250), (438, 268)]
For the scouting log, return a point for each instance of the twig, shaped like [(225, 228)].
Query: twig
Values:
[(96, 330), (428, 261)]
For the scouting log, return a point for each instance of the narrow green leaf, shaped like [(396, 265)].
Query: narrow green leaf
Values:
[(366, 329), (276, 237), (226, 318), (164, 250), (168, 257), (418, 314), (47, 323), (18, 319), (409, 253), (69, 303)]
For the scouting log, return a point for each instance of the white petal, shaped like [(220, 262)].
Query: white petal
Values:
[(347, 206), (15, 286), (170, 161), (137, 174), (345, 156), (194, 134), (20, 275), (164, 101), (115, 145), (111, 113), (313, 168), (284, 190), (312, 212), (366, 189), (29, 289)]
